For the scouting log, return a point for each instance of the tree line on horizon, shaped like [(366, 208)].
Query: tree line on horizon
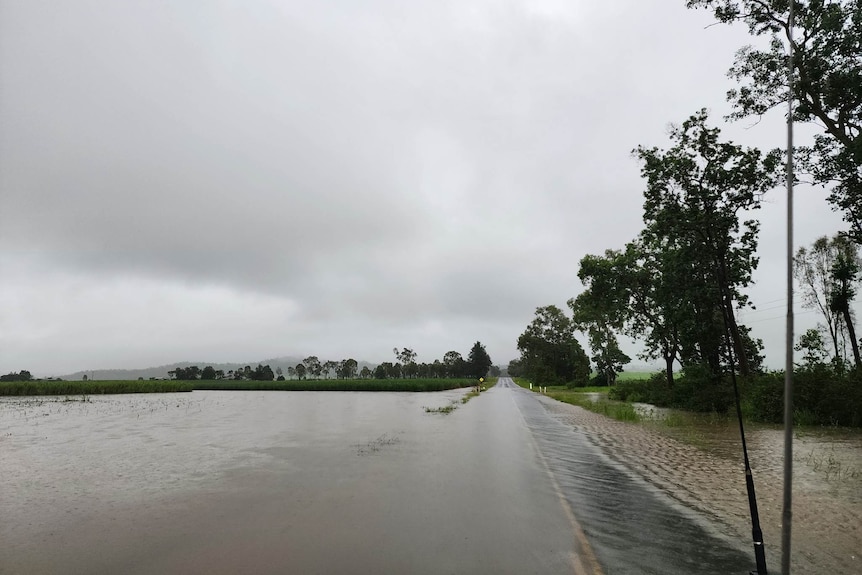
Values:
[(453, 365)]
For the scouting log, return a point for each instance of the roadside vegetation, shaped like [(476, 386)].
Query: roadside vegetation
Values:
[(679, 284), (619, 410)]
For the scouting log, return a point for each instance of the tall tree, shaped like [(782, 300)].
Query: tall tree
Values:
[(549, 351), (454, 364), (695, 193), (813, 269), (329, 367), (478, 361), (845, 274), (347, 368), (601, 311), (813, 347), (406, 357), (313, 367), (827, 88)]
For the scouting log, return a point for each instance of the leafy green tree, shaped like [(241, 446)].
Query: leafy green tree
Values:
[(601, 311), (262, 373), (550, 354), (813, 347), (365, 372), (313, 367), (185, 373), (208, 373), (515, 369), (405, 356), (478, 361), (827, 88), (329, 367), (438, 370), (454, 364), (813, 268), (22, 375), (300, 371), (845, 274), (347, 369), (695, 193)]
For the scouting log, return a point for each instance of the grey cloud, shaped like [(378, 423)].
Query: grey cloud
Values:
[(384, 168)]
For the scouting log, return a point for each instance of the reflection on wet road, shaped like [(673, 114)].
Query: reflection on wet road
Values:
[(632, 527), (297, 482)]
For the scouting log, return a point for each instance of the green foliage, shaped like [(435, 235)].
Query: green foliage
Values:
[(827, 67), (92, 387), (550, 354), (812, 346), (515, 369), (828, 272), (822, 396), (601, 310), (613, 409), (695, 192), (22, 375), (478, 361)]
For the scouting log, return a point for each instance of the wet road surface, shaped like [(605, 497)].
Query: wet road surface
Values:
[(278, 482)]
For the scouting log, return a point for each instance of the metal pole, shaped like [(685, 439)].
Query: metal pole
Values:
[(787, 513)]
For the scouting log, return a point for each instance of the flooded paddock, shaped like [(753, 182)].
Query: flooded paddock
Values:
[(323, 482), (277, 482)]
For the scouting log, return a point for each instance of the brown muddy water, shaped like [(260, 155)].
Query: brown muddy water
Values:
[(316, 482), (826, 459)]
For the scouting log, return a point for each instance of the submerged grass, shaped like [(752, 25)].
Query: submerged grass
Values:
[(336, 385), (575, 396), (445, 409), (614, 409), (21, 388)]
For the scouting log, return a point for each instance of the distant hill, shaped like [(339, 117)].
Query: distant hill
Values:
[(162, 370)]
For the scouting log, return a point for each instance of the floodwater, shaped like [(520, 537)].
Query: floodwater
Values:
[(826, 459), (317, 482)]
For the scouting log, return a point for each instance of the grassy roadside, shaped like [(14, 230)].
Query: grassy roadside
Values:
[(474, 392), (577, 396)]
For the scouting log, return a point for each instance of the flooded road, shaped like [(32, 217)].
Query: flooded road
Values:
[(316, 482)]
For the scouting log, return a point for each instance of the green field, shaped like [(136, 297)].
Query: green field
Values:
[(616, 409), (629, 375), (17, 388)]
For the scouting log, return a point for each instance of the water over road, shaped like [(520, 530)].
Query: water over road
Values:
[(309, 482)]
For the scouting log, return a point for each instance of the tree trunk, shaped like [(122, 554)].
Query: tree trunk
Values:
[(669, 369), (744, 368), (852, 333)]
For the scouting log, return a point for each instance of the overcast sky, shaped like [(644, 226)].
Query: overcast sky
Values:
[(237, 180)]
